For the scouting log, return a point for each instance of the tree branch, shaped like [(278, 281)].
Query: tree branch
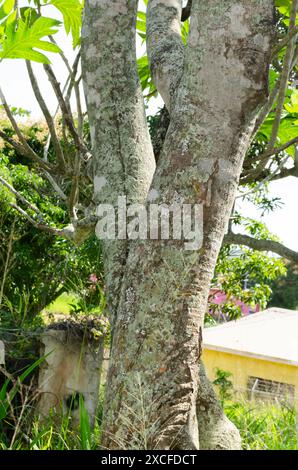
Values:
[(267, 107), (74, 84), (285, 173), (77, 232), (74, 193), (251, 175), (261, 245), (22, 147), (285, 73), (19, 196), (65, 88), (55, 186), (284, 42), (81, 147), (165, 47), (22, 150), (47, 115)]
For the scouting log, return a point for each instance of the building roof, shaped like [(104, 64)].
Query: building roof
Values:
[(270, 335)]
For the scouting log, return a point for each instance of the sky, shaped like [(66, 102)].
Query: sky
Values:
[(14, 82)]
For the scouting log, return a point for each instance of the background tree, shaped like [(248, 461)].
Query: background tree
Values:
[(284, 290), (36, 267)]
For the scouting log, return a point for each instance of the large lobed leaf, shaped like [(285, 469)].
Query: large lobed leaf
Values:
[(72, 17), (25, 34)]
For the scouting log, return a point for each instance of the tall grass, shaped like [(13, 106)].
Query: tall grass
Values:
[(54, 433), (22, 429), (264, 426)]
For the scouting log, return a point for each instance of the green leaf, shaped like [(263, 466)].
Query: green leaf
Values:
[(288, 130), (85, 430), (185, 31), (141, 22), (72, 17), (6, 197), (7, 13), (22, 38), (284, 6), (6, 8), (292, 108), (4, 400), (144, 72), (29, 15)]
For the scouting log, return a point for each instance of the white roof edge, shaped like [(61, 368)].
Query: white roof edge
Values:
[(250, 354)]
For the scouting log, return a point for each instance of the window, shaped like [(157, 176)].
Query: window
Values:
[(270, 389)]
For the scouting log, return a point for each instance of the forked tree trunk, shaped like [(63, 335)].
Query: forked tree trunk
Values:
[(213, 90)]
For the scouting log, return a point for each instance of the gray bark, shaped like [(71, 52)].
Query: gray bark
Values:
[(123, 160), (216, 431), (153, 380), (164, 46)]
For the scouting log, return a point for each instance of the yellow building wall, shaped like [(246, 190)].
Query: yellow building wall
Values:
[(244, 367)]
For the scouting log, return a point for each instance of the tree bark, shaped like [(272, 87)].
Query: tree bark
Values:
[(123, 160), (216, 431), (153, 380)]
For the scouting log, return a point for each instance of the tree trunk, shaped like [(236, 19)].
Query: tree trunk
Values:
[(213, 98), (123, 160), (216, 431)]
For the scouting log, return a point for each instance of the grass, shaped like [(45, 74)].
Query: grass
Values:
[(49, 436), (264, 426), (62, 305), (55, 432)]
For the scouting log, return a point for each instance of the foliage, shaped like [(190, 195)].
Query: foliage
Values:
[(15, 397), (224, 385), (284, 7), (23, 36), (245, 275), (85, 430), (285, 289), (72, 17), (41, 266), (21, 429), (90, 296), (25, 31), (264, 426)]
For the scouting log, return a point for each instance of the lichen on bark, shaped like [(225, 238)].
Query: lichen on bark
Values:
[(220, 82), (123, 160)]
